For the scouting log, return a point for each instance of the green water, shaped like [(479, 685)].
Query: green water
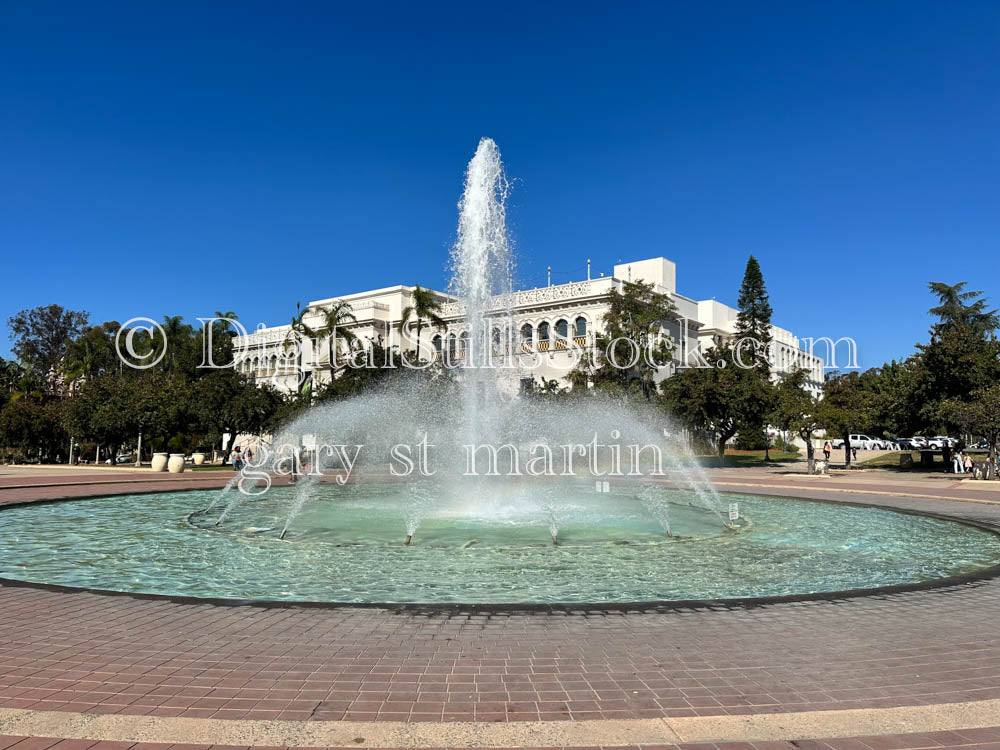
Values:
[(346, 546)]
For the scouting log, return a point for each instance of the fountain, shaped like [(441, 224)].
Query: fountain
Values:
[(483, 412), (460, 492)]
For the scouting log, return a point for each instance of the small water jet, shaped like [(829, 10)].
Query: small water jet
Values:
[(657, 503), (303, 494)]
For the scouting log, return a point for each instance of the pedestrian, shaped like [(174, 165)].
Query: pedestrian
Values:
[(967, 461), (237, 459), (826, 450), (957, 463)]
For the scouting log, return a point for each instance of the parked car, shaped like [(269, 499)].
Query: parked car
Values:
[(905, 444), (124, 458), (941, 441), (983, 444), (919, 441), (861, 442)]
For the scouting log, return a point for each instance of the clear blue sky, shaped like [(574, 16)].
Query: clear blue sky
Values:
[(163, 158)]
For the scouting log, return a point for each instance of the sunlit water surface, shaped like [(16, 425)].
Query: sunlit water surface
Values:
[(346, 546)]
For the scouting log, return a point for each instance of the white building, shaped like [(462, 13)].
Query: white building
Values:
[(539, 333), (718, 322)]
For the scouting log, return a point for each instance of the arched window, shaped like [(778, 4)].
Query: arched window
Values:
[(543, 331), (452, 345), (526, 332), (496, 336), (437, 344), (274, 364), (463, 343), (562, 328), (581, 326)]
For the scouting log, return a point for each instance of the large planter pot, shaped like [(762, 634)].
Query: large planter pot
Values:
[(199, 458), (176, 463), (159, 462)]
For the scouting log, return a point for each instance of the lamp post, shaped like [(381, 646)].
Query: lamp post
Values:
[(71, 451)]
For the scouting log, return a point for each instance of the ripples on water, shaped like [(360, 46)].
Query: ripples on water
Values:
[(346, 545)]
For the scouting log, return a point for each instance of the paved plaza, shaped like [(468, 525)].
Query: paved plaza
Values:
[(909, 669)]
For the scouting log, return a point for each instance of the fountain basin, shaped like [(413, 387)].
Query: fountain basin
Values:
[(346, 546)]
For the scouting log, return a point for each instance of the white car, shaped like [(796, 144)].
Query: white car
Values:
[(940, 441), (861, 442)]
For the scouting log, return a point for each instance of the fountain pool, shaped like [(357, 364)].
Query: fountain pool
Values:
[(346, 546)]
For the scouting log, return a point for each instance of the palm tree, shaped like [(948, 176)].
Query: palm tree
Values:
[(174, 331), (300, 331), (82, 360), (10, 372), (425, 305), (957, 307), (220, 328), (28, 386), (221, 325), (335, 317)]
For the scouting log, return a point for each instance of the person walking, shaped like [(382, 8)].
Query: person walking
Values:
[(958, 463), (826, 450)]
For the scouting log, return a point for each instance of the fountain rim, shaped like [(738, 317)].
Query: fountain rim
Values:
[(530, 608)]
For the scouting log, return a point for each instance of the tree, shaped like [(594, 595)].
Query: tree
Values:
[(708, 399), (299, 332), (178, 339), (753, 331), (425, 306), (967, 308), (226, 401), (546, 387), (354, 379), (957, 361), (335, 319), (10, 371), (33, 428), (100, 411), (978, 416), (796, 410), (846, 407), (754, 317), (92, 353), (41, 335), (633, 346), (223, 334)]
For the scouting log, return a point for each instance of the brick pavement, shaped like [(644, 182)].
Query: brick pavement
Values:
[(99, 654)]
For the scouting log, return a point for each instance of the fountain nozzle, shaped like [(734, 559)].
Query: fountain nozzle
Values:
[(408, 538), (555, 541), (282, 534)]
